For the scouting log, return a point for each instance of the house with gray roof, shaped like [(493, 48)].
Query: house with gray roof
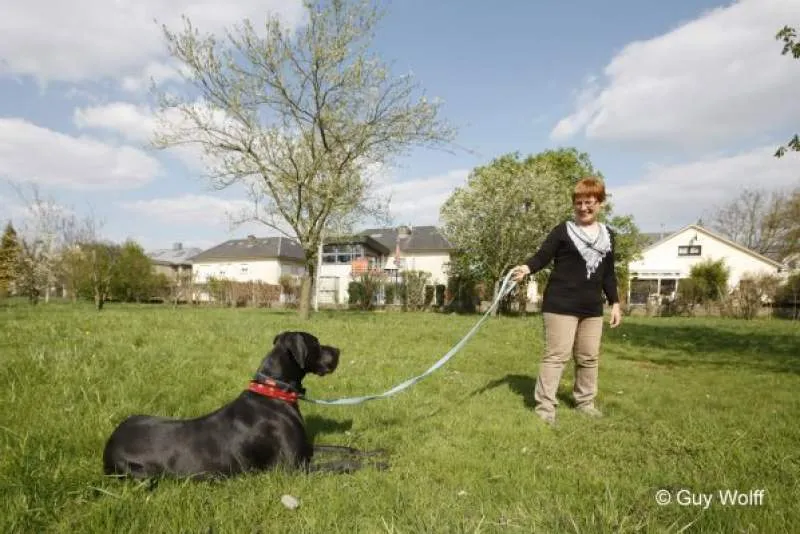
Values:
[(251, 258), (174, 262), (666, 261), (389, 250), (421, 248)]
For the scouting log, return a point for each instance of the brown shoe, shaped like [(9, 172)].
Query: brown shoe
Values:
[(549, 418), (590, 411)]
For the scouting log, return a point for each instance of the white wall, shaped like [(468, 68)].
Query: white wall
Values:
[(293, 269), (662, 261), (268, 271), (432, 262), (342, 272)]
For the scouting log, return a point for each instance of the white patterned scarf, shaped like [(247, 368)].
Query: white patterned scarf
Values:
[(593, 249)]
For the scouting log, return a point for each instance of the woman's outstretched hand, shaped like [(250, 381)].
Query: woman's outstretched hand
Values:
[(520, 272)]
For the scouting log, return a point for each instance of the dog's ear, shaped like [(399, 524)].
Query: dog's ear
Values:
[(302, 346), (299, 349), (305, 349)]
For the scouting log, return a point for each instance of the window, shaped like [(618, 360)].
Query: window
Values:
[(342, 254), (641, 289), (690, 250), (668, 287)]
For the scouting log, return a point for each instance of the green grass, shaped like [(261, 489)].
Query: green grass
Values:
[(700, 404)]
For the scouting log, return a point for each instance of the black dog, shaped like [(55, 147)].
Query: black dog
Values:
[(261, 429)]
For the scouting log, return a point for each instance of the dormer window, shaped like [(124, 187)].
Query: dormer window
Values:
[(690, 250)]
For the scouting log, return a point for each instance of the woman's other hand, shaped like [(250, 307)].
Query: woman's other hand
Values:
[(616, 315)]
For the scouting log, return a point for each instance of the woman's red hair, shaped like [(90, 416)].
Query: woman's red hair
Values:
[(590, 187)]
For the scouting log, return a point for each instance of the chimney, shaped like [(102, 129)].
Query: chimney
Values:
[(177, 246), (403, 233)]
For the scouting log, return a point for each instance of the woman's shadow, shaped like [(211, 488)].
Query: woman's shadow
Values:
[(524, 386)]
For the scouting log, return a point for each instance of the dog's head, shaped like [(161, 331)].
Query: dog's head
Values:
[(305, 352)]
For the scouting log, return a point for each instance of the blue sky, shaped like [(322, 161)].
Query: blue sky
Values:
[(679, 104)]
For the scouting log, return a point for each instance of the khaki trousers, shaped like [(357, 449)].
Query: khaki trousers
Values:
[(568, 336)]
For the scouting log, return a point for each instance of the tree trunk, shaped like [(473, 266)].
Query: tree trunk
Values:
[(494, 296), (304, 307), (99, 299), (305, 304)]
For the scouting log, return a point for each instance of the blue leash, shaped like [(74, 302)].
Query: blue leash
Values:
[(507, 286)]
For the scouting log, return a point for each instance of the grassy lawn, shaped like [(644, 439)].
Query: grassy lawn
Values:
[(701, 405)]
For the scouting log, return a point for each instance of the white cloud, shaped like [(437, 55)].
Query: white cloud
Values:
[(418, 201), (205, 210), (90, 39), (677, 195), (135, 123), (719, 78), (30, 153), (157, 71), (139, 123)]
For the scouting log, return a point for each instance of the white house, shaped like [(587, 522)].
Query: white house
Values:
[(669, 259), (390, 250), (250, 259), (173, 262), (337, 261), (420, 248)]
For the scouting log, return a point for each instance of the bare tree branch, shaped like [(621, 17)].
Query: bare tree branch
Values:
[(761, 220)]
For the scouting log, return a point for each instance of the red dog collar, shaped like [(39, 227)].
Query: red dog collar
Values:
[(271, 390)]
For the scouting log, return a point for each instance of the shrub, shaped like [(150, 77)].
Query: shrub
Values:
[(461, 294), (391, 293), (690, 294), (787, 298), (440, 290), (414, 283), (355, 293), (363, 290), (290, 287), (750, 295), (711, 278), (434, 294), (231, 293), (428, 296)]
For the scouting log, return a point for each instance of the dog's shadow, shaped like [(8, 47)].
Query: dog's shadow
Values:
[(524, 386), (316, 426)]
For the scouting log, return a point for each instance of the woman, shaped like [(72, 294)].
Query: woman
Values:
[(582, 251)]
